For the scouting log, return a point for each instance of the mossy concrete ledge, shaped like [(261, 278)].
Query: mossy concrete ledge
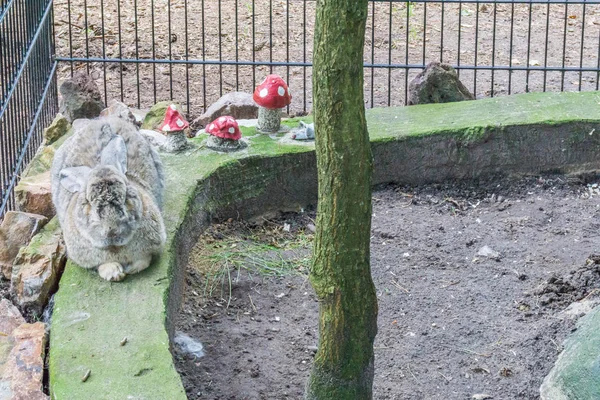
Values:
[(522, 134)]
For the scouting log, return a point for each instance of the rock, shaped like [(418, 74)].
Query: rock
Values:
[(38, 267), (224, 145), (42, 161), (80, 98), (22, 348), (33, 194), (239, 105), (156, 139), (22, 374), (481, 396), (57, 129), (156, 115), (118, 109), (488, 252), (10, 319), (16, 231), (438, 83)]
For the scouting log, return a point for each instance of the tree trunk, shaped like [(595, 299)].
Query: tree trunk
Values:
[(341, 274)]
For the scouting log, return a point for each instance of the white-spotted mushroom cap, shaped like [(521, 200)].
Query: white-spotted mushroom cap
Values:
[(225, 127), (272, 93), (174, 121)]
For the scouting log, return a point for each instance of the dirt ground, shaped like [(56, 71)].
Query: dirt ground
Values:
[(398, 33), (472, 281)]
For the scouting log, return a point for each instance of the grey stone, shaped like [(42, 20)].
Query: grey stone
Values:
[(156, 139), (487, 251), (59, 127), (80, 98), (38, 267), (16, 231), (437, 83), (239, 105), (120, 110)]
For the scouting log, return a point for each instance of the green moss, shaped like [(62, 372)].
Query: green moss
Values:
[(43, 236)]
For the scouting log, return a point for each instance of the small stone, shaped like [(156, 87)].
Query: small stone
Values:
[(120, 110), (156, 139), (80, 98), (57, 129), (481, 396), (437, 83), (16, 231), (33, 194), (238, 105), (311, 227), (488, 252), (38, 267)]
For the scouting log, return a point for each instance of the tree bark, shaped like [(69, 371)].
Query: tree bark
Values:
[(341, 274)]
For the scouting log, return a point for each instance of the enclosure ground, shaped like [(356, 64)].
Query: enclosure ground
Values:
[(452, 322)]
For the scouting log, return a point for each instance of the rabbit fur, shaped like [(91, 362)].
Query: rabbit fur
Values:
[(107, 188)]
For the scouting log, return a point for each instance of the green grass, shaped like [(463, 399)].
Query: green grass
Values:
[(222, 262)]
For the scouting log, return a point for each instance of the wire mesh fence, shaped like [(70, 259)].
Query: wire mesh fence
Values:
[(28, 99), (194, 51)]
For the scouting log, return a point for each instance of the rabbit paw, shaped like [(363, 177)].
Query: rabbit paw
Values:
[(112, 272)]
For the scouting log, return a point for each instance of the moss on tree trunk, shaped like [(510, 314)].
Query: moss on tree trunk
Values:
[(341, 274)]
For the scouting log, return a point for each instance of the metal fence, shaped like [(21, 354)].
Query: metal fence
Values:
[(143, 51), (28, 99)]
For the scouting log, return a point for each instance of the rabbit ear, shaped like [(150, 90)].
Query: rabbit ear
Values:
[(73, 179), (115, 154)]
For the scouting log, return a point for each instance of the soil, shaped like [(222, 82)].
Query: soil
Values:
[(398, 33), (473, 280)]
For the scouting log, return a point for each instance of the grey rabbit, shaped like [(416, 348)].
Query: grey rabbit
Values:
[(107, 188)]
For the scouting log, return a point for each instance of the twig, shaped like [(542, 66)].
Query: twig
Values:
[(399, 286), (252, 303), (445, 377), (71, 23), (413, 375)]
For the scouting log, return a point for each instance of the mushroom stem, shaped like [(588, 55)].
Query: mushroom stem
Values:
[(269, 120), (176, 141)]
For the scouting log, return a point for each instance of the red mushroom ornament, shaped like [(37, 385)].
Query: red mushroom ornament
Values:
[(270, 96), (173, 126), (224, 134)]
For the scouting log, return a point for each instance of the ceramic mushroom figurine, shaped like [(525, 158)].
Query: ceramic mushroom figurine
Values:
[(173, 127), (271, 96), (224, 134)]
